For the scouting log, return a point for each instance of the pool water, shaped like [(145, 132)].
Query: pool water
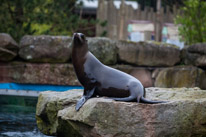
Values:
[(17, 113), (17, 117), (37, 87)]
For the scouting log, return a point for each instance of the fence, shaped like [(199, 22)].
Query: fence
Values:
[(117, 19)]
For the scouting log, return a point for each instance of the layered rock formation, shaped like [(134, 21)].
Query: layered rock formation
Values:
[(63, 74), (183, 115), (47, 60)]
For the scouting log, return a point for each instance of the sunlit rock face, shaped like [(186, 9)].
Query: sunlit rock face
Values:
[(8, 47), (183, 115), (45, 49)]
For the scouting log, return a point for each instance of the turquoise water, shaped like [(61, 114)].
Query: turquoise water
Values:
[(37, 87)]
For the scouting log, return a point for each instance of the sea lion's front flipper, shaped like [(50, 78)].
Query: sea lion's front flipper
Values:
[(80, 103), (87, 94)]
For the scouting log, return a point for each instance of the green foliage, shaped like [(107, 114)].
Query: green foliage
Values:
[(35, 17), (193, 21), (103, 24)]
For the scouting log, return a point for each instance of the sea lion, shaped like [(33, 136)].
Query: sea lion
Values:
[(101, 80)]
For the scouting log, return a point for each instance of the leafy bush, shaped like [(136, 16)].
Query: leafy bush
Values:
[(193, 21)]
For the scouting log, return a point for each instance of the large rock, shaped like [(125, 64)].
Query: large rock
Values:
[(184, 115), (182, 76), (195, 55), (148, 53), (8, 47), (33, 73), (53, 49), (104, 49)]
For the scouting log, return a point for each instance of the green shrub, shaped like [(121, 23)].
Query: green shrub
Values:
[(193, 21)]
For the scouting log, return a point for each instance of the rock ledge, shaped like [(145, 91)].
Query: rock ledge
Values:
[(184, 115)]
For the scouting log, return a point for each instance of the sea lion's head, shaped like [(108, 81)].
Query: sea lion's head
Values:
[(79, 40)]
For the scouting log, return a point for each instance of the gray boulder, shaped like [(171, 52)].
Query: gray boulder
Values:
[(183, 115), (8, 47), (148, 53), (104, 49), (49, 49), (195, 55)]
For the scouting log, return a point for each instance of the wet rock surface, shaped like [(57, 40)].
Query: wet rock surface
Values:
[(183, 115)]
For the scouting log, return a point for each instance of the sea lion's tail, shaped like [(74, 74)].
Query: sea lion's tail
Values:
[(144, 93), (144, 100)]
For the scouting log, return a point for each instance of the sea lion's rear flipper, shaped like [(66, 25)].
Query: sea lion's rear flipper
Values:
[(126, 99), (144, 100), (87, 94)]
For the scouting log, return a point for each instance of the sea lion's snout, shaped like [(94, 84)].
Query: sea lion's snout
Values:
[(76, 36), (79, 37)]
